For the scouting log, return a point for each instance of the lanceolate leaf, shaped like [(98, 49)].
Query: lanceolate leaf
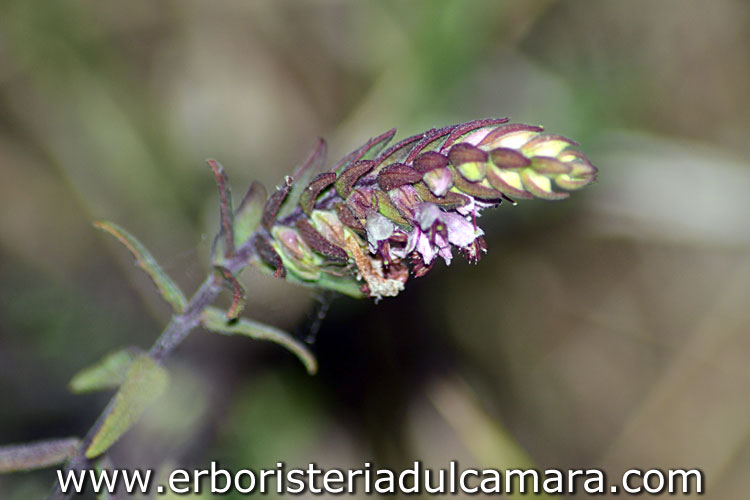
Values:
[(227, 211), (368, 151), (108, 373), (396, 175), (38, 455), (273, 204), (143, 384), (269, 256), (312, 190), (238, 293), (318, 242), (215, 320), (350, 175), (462, 131), (143, 259)]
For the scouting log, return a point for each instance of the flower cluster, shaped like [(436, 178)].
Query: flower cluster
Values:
[(379, 215)]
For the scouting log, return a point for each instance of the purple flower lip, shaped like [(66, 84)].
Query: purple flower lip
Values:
[(437, 230)]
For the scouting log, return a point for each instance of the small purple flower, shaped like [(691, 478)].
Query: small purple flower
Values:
[(379, 228), (437, 230)]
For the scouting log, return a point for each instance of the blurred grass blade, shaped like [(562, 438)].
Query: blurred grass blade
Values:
[(215, 320), (23, 457), (486, 438), (108, 373), (143, 384), (143, 259), (248, 214)]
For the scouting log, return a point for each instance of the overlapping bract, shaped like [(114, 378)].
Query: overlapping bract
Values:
[(379, 215)]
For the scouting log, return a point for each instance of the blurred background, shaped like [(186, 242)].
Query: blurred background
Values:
[(610, 330)]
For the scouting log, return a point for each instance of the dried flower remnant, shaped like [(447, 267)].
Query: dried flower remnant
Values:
[(379, 215)]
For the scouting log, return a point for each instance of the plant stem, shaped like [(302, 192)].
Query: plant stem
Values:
[(175, 332), (181, 325)]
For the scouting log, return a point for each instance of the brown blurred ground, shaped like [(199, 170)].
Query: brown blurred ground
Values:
[(611, 330)]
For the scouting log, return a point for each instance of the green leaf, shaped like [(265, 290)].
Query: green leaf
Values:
[(38, 455), (144, 383), (108, 373), (215, 320), (248, 214), (143, 259)]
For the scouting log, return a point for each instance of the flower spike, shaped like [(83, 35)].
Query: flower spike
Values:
[(383, 213)]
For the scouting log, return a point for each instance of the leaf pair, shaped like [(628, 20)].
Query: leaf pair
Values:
[(139, 379), (237, 226)]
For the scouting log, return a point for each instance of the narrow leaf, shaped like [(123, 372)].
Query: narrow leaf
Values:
[(311, 191), (271, 208), (506, 130), (270, 256), (238, 293), (143, 259), (108, 373), (431, 141), (143, 384), (399, 151), (227, 212), (368, 151), (461, 131), (351, 175), (215, 320), (396, 175), (248, 214), (319, 243), (23, 457)]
